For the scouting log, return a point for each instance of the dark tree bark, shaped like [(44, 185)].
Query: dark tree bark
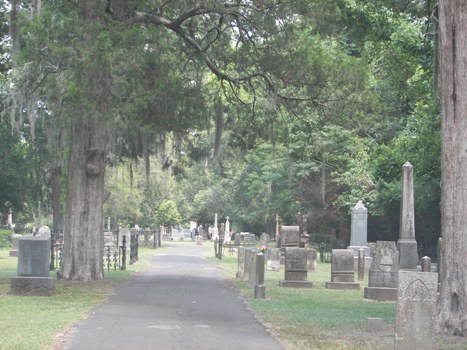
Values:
[(452, 309)]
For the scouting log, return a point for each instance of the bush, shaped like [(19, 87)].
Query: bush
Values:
[(5, 239)]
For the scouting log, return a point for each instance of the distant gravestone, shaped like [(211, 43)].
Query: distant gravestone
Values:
[(273, 262), (290, 236), (238, 239), (15, 244), (249, 259), (44, 231), (382, 277), (311, 256), (342, 270), (33, 268), (416, 310), (358, 234), (108, 237), (264, 239), (407, 245), (240, 262), (296, 271)]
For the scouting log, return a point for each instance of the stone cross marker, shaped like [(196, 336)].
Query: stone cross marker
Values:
[(416, 310), (382, 277), (407, 245)]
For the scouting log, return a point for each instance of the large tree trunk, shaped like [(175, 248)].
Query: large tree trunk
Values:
[(84, 222), (452, 309)]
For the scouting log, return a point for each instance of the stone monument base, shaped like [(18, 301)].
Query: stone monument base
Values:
[(32, 286), (296, 284), (380, 293), (342, 285)]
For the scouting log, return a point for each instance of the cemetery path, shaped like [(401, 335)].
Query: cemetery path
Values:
[(180, 303)]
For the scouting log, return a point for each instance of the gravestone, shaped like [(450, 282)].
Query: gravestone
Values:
[(342, 270), (311, 256), (407, 245), (44, 231), (33, 268), (15, 237), (382, 277), (290, 236), (215, 230), (240, 262), (238, 239), (252, 266), (249, 259), (108, 237), (264, 239), (359, 233), (273, 262), (259, 287), (296, 271), (416, 310)]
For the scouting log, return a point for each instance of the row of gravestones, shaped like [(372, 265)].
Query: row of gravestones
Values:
[(415, 292)]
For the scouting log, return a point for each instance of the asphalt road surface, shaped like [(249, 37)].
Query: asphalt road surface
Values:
[(180, 303)]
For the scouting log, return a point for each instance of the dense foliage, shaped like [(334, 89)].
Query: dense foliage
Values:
[(353, 102)]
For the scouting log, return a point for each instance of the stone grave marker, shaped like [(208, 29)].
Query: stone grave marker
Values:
[(264, 239), (296, 271), (407, 245), (416, 310), (290, 236), (273, 262), (382, 277), (311, 256), (108, 237), (240, 262), (15, 237), (33, 268), (44, 231), (358, 234), (249, 259), (342, 270)]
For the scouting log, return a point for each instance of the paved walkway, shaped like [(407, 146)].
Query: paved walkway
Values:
[(181, 303)]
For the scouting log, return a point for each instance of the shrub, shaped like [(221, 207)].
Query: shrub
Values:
[(5, 239)]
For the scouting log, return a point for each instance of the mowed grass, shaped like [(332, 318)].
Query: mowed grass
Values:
[(31, 323), (320, 318)]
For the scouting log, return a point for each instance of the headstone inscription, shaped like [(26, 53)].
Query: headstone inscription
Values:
[(382, 277), (33, 268), (407, 245), (342, 270), (416, 310), (296, 268)]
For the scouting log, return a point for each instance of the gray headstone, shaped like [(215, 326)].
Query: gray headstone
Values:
[(108, 237), (290, 236), (296, 268), (382, 277), (273, 262), (240, 262), (264, 239), (416, 310), (15, 244), (34, 256), (342, 270), (407, 245), (44, 231), (311, 256), (358, 234), (249, 259), (33, 268)]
